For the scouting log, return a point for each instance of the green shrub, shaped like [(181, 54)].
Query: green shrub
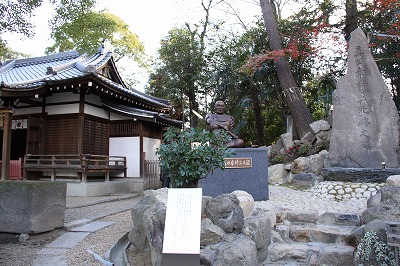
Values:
[(373, 251), (191, 154)]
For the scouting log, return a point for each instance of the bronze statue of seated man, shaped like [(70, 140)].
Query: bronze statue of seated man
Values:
[(222, 121)]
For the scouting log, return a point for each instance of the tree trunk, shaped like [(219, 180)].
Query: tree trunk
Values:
[(301, 115), (351, 17), (259, 124)]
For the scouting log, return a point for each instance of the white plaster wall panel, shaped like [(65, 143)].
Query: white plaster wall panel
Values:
[(129, 147), (149, 147), (94, 99), (95, 111), (62, 98), (63, 109), (27, 111), (114, 116)]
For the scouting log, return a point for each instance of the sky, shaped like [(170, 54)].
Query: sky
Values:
[(149, 19)]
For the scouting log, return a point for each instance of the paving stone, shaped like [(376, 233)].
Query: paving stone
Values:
[(68, 240), (92, 227)]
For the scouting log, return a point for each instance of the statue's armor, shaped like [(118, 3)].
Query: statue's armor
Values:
[(222, 119)]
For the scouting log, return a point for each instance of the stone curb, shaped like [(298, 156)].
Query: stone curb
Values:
[(103, 201), (68, 226)]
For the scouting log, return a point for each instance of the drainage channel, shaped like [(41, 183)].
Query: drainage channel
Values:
[(117, 253)]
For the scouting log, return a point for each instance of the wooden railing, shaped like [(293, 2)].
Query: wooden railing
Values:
[(80, 163)]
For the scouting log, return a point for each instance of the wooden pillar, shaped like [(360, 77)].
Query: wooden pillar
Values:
[(7, 129), (81, 118)]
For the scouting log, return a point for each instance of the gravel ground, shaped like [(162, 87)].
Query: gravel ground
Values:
[(13, 252), (100, 241)]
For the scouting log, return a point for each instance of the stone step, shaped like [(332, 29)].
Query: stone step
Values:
[(329, 218), (312, 253), (316, 233)]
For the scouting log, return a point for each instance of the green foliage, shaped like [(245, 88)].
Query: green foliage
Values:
[(277, 158), (191, 154), (179, 69), (373, 251), (6, 53), (15, 16), (76, 25)]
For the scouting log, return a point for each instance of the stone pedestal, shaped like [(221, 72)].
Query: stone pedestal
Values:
[(31, 207), (253, 180)]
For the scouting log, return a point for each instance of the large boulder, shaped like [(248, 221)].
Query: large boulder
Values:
[(393, 180), (225, 211), (388, 209), (210, 233), (246, 202), (259, 229), (287, 141), (238, 250), (32, 207), (147, 235), (277, 174), (320, 125)]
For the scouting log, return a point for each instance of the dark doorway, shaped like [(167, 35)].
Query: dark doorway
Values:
[(18, 143)]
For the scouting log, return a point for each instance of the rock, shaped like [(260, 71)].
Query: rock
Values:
[(239, 250), (282, 251), (160, 194), (31, 207), (277, 146), (206, 256), (316, 163), (320, 125), (246, 202), (299, 233), (378, 226), (308, 138), (287, 141), (336, 255), (332, 218), (323, 138), (304, 179), (277, 174), (388, 209), (393, 180), (391, 194), (302, 216), (300, 165), (210, 233), (365, 119), (148, 217), (260, 225), (225, 212)]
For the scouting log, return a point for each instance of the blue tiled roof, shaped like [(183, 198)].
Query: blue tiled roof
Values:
[(31, 73)]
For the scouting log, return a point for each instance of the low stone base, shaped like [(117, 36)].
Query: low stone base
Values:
[(101, 188), (253, 180), (31, 207), (358, 175)]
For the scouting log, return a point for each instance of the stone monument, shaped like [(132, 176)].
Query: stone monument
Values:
[(365, 119)]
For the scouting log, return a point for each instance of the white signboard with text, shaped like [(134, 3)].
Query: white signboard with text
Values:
[(183, 221)]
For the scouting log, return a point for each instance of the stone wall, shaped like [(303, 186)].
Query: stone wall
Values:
[(232, 231)]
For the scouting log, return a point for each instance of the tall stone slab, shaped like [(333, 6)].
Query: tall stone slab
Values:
[(365, 119)]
